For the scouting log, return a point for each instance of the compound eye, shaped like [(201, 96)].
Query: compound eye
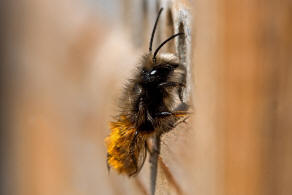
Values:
[(153, 72)]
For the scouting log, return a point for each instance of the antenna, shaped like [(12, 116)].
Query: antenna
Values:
[(154, 29), (163, 43)]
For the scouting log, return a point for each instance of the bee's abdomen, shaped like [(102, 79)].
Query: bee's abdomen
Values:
[(118, 144)]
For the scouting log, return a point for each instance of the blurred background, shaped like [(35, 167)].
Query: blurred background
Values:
[(63, 65)]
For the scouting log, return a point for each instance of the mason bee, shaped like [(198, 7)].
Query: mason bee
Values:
[(151, 104)]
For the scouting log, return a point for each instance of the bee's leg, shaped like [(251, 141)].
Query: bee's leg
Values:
[(179, 85), (148, 146), (176, 113), (180, 94), (181, 113), (164, 114), (181, 121), (107, 165), (171, 84), (132, 152)]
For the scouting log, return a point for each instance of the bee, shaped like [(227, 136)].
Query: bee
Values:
[(151, 105)]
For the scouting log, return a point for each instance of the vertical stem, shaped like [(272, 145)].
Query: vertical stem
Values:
[(154, 162)]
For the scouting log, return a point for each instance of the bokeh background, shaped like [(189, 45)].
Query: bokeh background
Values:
[(63, 64)]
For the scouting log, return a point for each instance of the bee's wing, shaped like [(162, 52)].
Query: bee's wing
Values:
[(142, 156)]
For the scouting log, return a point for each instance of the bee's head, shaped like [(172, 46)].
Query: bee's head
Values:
[(157, 68), (158, 71)]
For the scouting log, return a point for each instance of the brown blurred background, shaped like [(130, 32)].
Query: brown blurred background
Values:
[(63, 65)]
